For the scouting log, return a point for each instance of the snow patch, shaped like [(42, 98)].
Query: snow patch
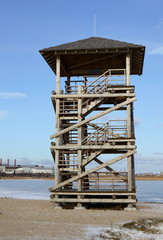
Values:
[(120, 233)]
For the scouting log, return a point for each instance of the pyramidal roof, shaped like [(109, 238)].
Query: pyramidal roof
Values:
[(94, 55), (92, 43)]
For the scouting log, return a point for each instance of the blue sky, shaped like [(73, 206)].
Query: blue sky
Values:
[(26, 113)]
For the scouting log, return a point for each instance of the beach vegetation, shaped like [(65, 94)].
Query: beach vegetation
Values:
[(145, 225), (143, 229)]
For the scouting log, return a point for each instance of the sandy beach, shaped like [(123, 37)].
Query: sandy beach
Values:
[(38, 219)]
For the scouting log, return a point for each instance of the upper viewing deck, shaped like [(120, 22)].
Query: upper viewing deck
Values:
[(93, 56)]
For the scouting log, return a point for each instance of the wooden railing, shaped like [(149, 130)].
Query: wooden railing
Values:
[(68, 160), (102, 181), (100, 84), (103, 132)]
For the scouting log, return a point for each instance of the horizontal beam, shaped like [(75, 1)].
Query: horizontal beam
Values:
[(77, 125), (68, 169), (87, 51), (94, 193), (93, 200), (104, 95), (104, 108), (84, 147), (92, 170), (68, 118)]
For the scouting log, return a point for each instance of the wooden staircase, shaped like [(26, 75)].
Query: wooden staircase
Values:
[(84, 141)]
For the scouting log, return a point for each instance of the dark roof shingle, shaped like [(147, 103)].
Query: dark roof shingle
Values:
[(92, 43)]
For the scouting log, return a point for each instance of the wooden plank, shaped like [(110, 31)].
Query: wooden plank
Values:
[(122, 140), (128, 66), (58, 71), (93, 170), (94, 193), (79, 141), (116, 51), (94, 117), (98, 147), (94, 200), (104, 95)]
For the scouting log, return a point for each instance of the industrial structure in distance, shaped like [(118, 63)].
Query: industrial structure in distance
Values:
[(8, 169)]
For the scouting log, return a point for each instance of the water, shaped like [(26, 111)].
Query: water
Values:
[(147, 191), (150, 191), (25, 188)]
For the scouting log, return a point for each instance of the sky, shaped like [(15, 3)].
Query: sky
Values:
[(27, 118)]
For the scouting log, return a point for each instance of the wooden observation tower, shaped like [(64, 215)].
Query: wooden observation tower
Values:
[(94, 120)]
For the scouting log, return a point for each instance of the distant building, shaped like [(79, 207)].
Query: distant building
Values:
[(23, 169), (2, 168)]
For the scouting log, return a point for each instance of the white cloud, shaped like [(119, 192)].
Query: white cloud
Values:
[(157, 51), (3, 114), (11, 95)]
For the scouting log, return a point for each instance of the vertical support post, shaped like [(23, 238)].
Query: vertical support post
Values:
[(130, 160), (58, 73), (128, 69), (79, 205), (133, 135), (58, 139)]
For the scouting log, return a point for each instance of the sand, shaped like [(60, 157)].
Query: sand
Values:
[(39, 220)]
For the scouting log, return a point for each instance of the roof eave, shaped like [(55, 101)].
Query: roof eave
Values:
[(84, 51)]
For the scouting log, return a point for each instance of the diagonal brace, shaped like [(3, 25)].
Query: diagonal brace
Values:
[(77, 125), (110, 169), (129, 153)]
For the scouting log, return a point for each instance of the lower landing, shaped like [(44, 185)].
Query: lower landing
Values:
[(81, 200)]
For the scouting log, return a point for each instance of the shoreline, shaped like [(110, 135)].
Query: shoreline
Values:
[(138, 178), (38, 219)]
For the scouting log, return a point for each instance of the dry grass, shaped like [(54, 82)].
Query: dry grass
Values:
[(148, 227), (145, 225)]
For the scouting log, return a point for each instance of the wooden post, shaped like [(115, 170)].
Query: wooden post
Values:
[(130, 159), (58, 139), (58, 70), (128, 69), (79, 205)]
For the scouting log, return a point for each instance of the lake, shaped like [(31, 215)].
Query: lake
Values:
[(147, 191)]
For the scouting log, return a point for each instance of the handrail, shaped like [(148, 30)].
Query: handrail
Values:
[(109, 70), (98, 84), (96, 79), (102, 131)]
